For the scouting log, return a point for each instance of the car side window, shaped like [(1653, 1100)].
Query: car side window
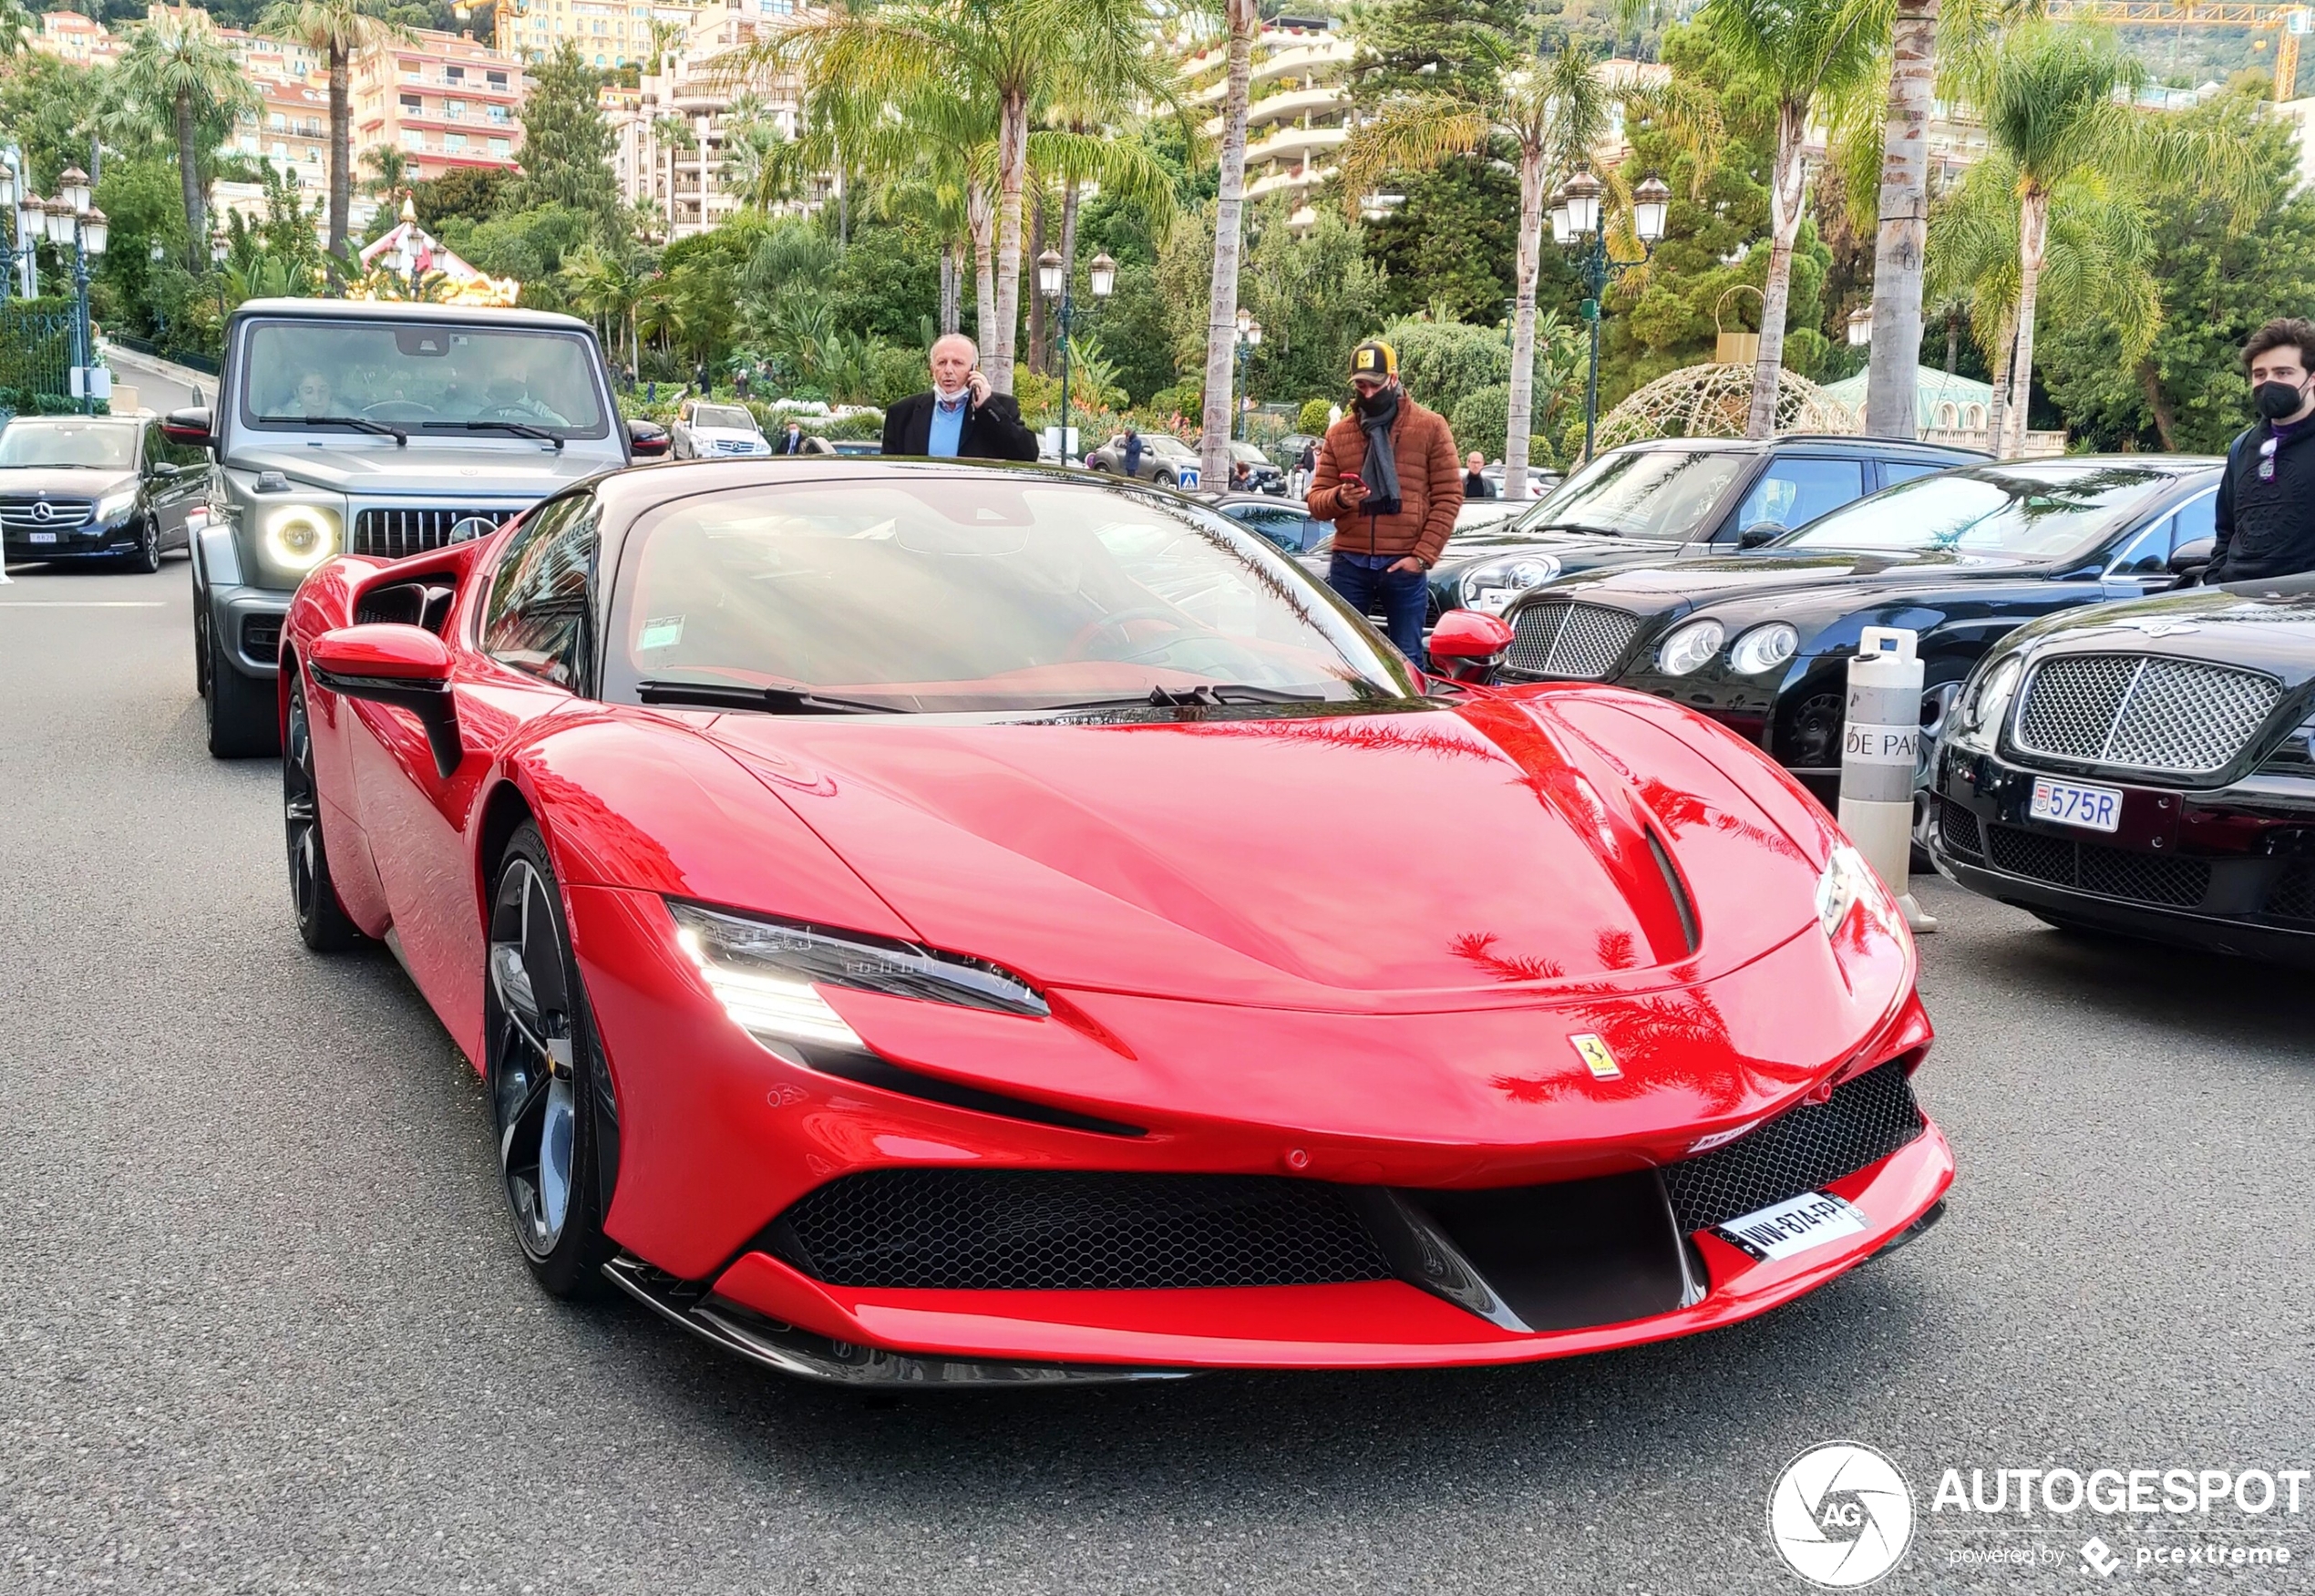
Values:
[(1798, 489), (536, 621), (2197, 518), (1896, 471), (2145, 554)]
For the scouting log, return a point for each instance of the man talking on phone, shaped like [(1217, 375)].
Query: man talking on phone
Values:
[(963, 418)]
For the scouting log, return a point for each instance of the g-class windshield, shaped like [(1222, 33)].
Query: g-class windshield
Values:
[(453, 378)]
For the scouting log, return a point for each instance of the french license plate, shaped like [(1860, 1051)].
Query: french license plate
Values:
[(44, 536), (2070, 803), (1795, 1225)]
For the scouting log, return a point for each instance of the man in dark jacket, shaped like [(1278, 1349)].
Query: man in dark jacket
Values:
[(791, 441), (2265, 522), (962, 417), (1387, 477), (1475, 480)]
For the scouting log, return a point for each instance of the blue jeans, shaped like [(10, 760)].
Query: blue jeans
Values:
[(1368, 584)]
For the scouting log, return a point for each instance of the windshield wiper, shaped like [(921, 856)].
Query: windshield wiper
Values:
[(358, 423), (519, 428), (1573, 527), (770, 700), (1205, 695)]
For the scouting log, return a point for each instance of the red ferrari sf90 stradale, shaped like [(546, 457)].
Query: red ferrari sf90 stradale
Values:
[(936, 924)]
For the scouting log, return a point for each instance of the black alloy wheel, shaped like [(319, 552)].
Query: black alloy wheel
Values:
[(145, 558), (544, 1072), (323, 923), (240, 713), (1941, 690)]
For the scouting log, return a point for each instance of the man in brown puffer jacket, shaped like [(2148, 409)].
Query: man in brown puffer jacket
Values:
[(1393, 508)]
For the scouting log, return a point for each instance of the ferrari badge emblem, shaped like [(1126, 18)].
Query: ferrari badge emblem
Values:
[(1596, 1057)]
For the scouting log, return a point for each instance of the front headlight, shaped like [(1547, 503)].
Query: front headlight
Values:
[(298, 537), (1847, 882), (1492, 587), (1691, 648), (1977, 720), (767, 975), (113, 506), (1763, 648)]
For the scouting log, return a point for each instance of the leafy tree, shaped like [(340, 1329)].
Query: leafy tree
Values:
[(46, 105), (390, 170), (338, 30), (1454, 243), (1454, 49), (1316, 294), (180, 76), (566, 143), (1442, 362), (1133, 332), (473, 194)]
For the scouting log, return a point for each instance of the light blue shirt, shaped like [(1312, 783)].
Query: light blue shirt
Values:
[(948, 427)]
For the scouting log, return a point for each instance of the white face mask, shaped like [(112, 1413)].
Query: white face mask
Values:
[(950, 395)]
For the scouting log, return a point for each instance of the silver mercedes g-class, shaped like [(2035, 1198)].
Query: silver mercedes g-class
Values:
[(373, 428)]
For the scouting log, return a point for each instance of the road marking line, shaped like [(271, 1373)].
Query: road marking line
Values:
[(83, 605)]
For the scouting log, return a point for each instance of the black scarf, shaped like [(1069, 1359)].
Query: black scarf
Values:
[(1381, 471)]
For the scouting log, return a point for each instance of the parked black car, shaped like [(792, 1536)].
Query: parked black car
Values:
[(1760, 641), (96, 488), (1673, 497), (1285, 522), (2145, 769)]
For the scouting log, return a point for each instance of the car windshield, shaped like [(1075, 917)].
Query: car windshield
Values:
[(962, 593), (110, 448), (729, 416), (2031, 511), (1641, 493), (452, 378)]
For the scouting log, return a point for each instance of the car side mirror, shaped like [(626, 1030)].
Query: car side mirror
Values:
[(1468, 645), (647, 438), (385, 662), (188, 428), (2192, 557), (1760, 532), (163, 471)]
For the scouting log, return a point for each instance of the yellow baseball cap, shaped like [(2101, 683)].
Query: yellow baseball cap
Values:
[(1374, 358)]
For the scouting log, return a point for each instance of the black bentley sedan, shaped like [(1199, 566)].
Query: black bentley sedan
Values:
[(106, 488), (2147, 769), (1761, 641)]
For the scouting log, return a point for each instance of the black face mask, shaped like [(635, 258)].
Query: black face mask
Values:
[(1384, 398), (2277, 401)]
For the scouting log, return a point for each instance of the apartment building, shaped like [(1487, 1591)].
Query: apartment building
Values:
[(675, 132), (607, 33), (444, 99), (81, 40), (290, 131), (1299, 115)]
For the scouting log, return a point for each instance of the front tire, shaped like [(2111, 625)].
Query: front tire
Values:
[(544, 1072), (242, 713), (323, 923), (145, 558)]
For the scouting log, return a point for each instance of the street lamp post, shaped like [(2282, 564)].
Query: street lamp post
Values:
[(1053, 281), (1576, 221), (10, 227), (1249, 338), (74, 222)]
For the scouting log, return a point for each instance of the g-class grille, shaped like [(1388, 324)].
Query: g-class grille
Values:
[(389, 534), (1582, 643), (2144, 712)]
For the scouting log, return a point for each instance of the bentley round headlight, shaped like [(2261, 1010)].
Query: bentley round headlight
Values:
[(1763, 648), (1492, 586), (1984, 702), (298, 537), (1691, 648)]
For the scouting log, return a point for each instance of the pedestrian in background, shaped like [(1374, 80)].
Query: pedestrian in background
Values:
[(791, 441), (1474, 481), (2264, 518), (962, 417), (1387, 477), (1304, 464), (1131, 449)]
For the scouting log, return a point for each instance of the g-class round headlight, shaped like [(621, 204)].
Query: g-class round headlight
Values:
[(1691, 648), (1763, 648), (298, 537)]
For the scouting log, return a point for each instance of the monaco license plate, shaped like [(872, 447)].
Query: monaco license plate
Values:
[(43, 537), (1795, 1225), (2071, 803)]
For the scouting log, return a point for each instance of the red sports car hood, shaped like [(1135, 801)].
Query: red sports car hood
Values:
[(1403, 861)]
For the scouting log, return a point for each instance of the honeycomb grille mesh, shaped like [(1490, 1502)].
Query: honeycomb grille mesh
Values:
[(972, 1230), (1864, 1121), (2144, 712), (2111, 872), (2291, 894), (1582, 643), (1960, 828)]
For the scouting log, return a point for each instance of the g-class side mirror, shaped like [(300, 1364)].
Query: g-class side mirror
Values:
[(188, 429), (647, 438)]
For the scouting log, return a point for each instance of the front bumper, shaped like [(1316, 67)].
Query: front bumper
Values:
[(2230, 870), (247, 622), (100, 542)]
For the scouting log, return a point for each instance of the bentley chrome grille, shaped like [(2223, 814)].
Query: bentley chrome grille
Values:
[(1582, 643), (25, 514), (389, 534), (2143, 712)]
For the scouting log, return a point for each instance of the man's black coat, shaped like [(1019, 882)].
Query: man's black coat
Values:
[(993, 429)]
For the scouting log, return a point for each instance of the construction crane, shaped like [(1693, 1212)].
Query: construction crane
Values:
[(2289, 23)]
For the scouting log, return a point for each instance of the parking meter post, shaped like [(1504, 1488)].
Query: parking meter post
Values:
[(1880, 744)]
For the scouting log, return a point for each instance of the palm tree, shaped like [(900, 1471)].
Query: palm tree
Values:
[(183, 79), (338, 30), (1800, 55), (606, 288), (389, 170), (1013, 58), (2057, 103), (1554, 115), (15, 27), (1243, 20), (1894, 371)]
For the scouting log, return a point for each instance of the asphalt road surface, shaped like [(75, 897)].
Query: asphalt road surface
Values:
[(265, 1328)]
